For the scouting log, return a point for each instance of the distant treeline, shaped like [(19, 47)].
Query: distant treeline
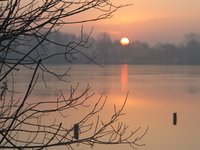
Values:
[(137, 52), (105, 51)]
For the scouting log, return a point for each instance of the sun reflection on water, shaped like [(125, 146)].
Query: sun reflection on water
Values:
[(124, 77)]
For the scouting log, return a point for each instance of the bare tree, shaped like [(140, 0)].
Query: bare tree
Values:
[(25, 27)]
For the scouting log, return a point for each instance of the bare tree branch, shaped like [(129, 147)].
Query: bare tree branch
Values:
[(25, 27)]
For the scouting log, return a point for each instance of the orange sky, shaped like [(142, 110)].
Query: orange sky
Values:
[(150, 20)]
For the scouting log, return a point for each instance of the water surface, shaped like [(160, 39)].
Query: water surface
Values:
[(155, 93)]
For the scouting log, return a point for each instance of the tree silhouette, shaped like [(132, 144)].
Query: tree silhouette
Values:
[(25, 27)]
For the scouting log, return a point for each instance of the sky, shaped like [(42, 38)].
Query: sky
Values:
[(152, 21)]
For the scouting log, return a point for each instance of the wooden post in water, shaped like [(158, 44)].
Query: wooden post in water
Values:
[(76, 131), (174, 118)]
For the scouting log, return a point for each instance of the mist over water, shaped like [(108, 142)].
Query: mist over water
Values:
[(155, 93)]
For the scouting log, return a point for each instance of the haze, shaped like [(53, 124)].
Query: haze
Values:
[(149, 20)]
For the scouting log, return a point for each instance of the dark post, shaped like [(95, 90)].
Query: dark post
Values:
[(174, 118), (76, 131)]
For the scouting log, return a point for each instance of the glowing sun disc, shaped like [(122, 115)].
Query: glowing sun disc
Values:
[(124, 41)]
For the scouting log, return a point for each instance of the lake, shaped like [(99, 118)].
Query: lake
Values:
[(155, 93)]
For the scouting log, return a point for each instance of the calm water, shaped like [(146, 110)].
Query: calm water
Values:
[(155, 93)]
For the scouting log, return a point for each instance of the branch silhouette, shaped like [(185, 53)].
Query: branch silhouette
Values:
[(25, 27)]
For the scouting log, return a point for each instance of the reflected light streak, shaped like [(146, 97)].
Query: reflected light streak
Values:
[(124, 77)]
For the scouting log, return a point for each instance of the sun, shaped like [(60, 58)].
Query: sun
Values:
[(124, 41)]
